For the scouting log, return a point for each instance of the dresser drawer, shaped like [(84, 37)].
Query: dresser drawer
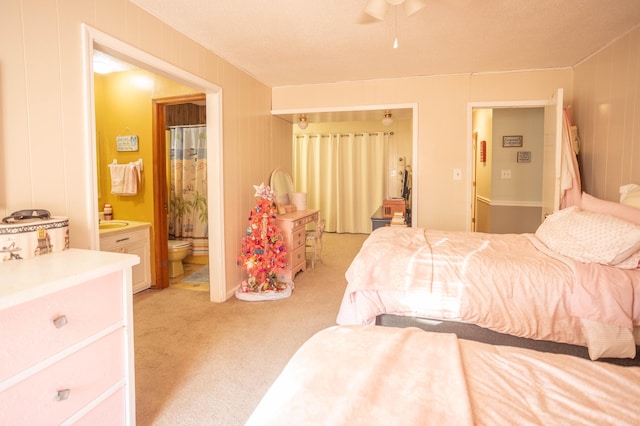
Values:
[(85, 374), (295, 238), (28, 331), (305, 220), (298, 237), (111, 411), (296, 257)]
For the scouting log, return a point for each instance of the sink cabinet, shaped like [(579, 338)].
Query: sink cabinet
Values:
[(133, 239)]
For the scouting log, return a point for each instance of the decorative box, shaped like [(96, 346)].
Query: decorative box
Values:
[(23, 239), (389, 207)]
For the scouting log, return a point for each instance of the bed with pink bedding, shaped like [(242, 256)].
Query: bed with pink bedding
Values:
[(513, 284), (371, 375)]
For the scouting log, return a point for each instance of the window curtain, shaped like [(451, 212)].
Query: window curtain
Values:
[(343, 176), (188, 210)]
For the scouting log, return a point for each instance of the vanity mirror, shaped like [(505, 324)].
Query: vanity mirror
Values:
[(282, 184)]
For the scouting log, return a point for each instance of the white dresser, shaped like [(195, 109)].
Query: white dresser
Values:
[(293, 227), (66, 339)]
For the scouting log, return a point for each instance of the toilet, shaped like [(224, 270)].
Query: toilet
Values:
[(178, 250)]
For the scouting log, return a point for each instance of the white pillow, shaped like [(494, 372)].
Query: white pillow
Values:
[(591, 237), (630, 195)]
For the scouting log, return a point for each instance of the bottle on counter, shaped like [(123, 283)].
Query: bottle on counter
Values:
[(108, 212)]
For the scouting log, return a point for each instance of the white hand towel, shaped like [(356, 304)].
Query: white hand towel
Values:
[(124, 179), (130, 180), (118, 172)]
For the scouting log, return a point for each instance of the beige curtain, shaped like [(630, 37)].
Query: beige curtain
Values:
[(343, 176)]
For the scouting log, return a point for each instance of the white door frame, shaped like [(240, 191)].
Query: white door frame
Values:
[(495, 104), (414, 143), (93, 38)]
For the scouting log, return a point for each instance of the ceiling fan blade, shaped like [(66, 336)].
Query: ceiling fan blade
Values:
[(377, 8), (413, 6), (366, 19)]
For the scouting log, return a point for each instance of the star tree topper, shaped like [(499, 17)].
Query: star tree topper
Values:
[(264, 192)]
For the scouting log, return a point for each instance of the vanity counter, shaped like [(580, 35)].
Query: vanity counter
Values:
[(116, 226)]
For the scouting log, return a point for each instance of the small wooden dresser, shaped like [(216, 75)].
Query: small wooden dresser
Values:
[(67, 339), (293, 225)]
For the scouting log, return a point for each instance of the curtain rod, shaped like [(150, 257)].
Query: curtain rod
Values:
[(187, 125)]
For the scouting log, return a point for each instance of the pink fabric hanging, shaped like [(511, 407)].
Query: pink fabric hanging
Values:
[(570, 185)]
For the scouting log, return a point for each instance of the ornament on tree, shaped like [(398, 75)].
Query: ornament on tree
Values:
[(263, 250)]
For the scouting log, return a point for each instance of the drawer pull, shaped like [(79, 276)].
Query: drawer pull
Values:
[(63, 394), (61, 321), (122, 239)]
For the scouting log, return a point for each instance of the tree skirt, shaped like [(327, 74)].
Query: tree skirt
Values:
[(265, 295)]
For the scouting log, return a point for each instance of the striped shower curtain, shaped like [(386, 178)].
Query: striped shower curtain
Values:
[(344, 176), (188, 210)]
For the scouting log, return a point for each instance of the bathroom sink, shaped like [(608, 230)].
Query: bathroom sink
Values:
[(112, 224)]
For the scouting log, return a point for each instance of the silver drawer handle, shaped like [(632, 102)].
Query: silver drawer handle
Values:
[(61, 321), (122, 239), (63, 394)]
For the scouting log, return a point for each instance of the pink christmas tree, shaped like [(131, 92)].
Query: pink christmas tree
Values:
[(263, 250)]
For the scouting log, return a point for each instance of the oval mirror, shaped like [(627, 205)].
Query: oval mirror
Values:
[(282, 185)]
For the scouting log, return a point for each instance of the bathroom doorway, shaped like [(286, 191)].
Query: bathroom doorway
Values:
[(162, 119), (95, 39)]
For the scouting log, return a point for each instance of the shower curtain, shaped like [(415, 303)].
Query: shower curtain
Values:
[(188, 187), (344, 176)]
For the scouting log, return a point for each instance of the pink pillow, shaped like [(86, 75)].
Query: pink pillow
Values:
[(621, 211)]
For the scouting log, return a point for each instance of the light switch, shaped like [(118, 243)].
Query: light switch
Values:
[(457, 174), (506, 174)]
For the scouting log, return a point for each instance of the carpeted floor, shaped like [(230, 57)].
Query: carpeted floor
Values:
[(203, 363)]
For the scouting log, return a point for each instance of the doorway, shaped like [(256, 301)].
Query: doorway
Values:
[(160, 184), (95, 39), (544, 184), (507, 176), (362, 114)]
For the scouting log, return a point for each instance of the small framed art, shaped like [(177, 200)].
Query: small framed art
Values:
[(524, 156), (511, 141)]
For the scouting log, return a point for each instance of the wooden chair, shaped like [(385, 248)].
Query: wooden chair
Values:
[(313, 243)]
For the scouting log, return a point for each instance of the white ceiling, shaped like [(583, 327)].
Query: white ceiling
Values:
[(294, 42), (297, 42)]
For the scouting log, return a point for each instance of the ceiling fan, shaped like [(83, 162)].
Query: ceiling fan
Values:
[(378, 8)]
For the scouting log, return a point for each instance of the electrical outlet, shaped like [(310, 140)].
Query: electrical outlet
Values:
[(457, 174), (506, 174)]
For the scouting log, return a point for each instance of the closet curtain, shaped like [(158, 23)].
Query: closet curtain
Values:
[(188, 210), (343, 176)]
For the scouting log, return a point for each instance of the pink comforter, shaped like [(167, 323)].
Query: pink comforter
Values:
[(349, 376), (501, 282), (368, 375)]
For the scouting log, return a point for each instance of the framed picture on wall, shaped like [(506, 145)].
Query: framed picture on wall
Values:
[(524, 156), (511, 141)]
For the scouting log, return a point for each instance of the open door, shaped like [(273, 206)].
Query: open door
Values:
[(474, 185), (551, 155)]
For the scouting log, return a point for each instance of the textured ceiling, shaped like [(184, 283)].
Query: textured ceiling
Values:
[(284, 42)]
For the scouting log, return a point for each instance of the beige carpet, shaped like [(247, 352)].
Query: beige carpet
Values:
[(202, 363)]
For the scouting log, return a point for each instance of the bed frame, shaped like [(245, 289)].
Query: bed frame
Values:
[(479, 334)]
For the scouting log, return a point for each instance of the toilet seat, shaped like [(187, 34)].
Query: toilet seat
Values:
[(176, 244)]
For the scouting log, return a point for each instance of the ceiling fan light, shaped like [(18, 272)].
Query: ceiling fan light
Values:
[(302, 122), (387, 120), (413, 6), (377, 8)]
